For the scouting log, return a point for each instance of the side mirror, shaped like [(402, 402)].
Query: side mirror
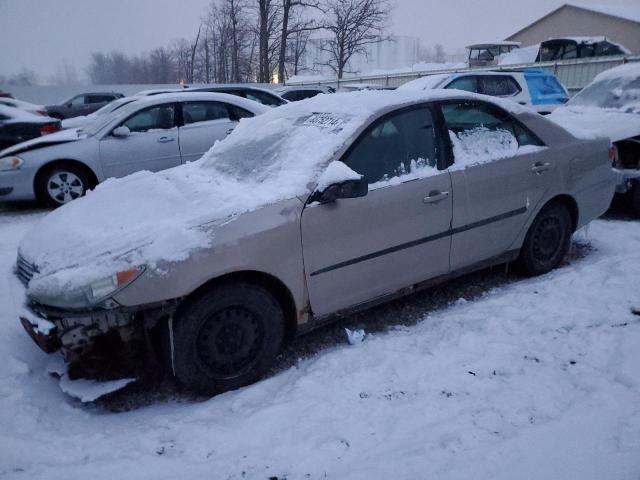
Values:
[(69, 105), (346, 189), (121, 132)]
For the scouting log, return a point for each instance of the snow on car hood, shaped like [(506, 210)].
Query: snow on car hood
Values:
[(590, 122), (63, 136), (147, 218)]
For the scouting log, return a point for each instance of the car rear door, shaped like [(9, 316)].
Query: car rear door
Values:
[(204, 122), (359, 249), (152, 144), (498, 176)]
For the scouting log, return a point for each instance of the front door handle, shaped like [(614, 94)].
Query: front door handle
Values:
[(540, 167), (435, 196), (165, 139)]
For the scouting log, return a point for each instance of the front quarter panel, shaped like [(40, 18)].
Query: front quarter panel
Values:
[(265, 241)]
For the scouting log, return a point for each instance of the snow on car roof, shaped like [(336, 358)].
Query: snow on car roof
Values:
[(19, 115), (425, 83)]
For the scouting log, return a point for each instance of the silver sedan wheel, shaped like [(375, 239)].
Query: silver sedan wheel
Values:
[(64, 187)]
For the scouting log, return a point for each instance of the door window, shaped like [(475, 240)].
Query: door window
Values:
[(480, 130), (158, 117), (498, 85), (398, 145), (468, 84), (194, 112)]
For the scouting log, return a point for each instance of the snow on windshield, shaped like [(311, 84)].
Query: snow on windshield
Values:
[(618, 89), (425, 83)]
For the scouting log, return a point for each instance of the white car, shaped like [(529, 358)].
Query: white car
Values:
[(26, 106), (610, 106), (154, 133), (534, 88)]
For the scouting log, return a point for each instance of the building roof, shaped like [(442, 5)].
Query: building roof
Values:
[(629, 13)]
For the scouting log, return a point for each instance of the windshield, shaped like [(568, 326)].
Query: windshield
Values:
[(615, 93)]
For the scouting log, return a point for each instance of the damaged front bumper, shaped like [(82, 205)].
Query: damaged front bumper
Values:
[(75, 332)]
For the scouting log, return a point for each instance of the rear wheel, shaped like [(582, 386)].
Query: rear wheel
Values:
[(547, 241), (227, 338), (62, 183)]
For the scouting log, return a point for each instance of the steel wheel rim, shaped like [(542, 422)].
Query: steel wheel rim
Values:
[(547, 240), (229, 342), (64, 187)]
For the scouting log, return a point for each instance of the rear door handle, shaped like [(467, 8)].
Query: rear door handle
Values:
[(435, 197), (540, 167), (165, 139)]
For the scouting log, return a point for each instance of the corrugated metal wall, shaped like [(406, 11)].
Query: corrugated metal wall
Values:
[(574, 74)]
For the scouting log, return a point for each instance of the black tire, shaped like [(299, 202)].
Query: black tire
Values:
[(227, 338), (547, 241), (75, 183)]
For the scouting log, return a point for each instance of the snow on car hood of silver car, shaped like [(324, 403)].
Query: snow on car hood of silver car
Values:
[(63, 136), (149, 218)]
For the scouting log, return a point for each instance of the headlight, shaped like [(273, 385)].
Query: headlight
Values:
[(106, 286), (10, 163)]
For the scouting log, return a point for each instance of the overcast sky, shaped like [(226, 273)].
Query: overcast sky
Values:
[(43, 34)]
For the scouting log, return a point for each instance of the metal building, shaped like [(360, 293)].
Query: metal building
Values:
[(617, 23)]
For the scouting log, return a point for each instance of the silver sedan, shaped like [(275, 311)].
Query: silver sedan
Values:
[(153, 133)]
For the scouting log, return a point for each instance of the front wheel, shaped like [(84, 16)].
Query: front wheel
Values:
[(61, 184), (226, 338), (547, 241)]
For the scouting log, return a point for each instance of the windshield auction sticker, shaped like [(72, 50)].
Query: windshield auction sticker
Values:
[(329, 121)]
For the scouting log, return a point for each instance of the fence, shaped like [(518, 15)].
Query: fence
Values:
[(574, 74)]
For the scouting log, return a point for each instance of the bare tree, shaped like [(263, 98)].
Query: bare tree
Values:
[(352, 25), (298, 26)]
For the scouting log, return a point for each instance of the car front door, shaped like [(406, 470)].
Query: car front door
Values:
[(359, 249), (204, 122), (152, 143), (498, 177)]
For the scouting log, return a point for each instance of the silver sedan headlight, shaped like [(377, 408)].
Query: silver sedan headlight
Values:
[(10, 163), (105, 287)]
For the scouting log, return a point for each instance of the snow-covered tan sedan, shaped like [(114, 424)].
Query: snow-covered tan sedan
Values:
[(319, 207), (153, 133)]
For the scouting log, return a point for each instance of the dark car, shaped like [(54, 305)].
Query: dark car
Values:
[(578, 47), (295, 93), (82, 104), (18, 126), (261, 95)]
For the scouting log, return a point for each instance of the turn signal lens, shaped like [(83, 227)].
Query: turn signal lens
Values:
[(126, 276), (613, 153), (10, 163)]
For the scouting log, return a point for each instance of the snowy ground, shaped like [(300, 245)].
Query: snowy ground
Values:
[(535, 379)]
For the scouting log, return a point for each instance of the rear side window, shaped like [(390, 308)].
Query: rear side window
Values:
[(236, 113), (264, 98), (478, 119), (498, 85), (468, 84), (397, 145), (194, 112), (159, 117), (545, 89)]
